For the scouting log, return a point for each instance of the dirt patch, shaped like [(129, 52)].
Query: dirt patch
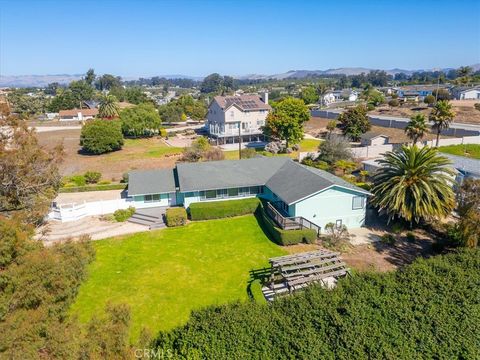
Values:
[(141, 154), (317, 126), (378, 256), (464, 110)]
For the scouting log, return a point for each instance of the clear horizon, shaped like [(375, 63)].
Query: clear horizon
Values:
[(195, 38)]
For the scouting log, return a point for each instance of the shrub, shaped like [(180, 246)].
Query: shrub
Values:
[(163, 132), (255, 290), (429, 100), (284, 237), (335, 234), (78, 180), (410, 237), (394, 103), (477, 106), (213, 154), (248, 153), (364, 186), (397, 228), (104, 182), (388, 239), (124, 178), (101, 136), (122, 215), (176, 216), (393, 315), (92, 177), (222, 209)]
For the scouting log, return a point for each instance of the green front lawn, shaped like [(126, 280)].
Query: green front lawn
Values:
[(165, 274), (468, 150)]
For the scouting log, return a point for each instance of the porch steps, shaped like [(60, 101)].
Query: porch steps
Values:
[(153, 218)]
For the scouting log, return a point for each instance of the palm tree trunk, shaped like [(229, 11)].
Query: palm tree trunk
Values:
[(438, 137)]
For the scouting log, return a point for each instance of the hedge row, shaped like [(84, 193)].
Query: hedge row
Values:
[(176, 216), (285, 237), (223, 209), (92, 188), (427, 310)]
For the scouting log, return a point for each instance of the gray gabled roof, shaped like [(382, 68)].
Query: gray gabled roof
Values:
[(144, 182), (227, 173), (370, 135), (294, 182), (464, 164)]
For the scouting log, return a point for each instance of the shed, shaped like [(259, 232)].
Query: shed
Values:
[(372, 139)]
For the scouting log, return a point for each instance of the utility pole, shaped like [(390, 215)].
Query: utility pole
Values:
[(239, 140)]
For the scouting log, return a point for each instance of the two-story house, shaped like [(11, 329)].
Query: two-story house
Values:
[(230, 118)]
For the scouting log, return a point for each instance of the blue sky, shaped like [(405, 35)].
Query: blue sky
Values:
[(145, 38)]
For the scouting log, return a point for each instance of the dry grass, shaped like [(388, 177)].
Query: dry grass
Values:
[(136, 154)]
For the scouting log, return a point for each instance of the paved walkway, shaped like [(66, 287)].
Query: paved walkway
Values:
[(93, 226), (56, 128), (364, 235)]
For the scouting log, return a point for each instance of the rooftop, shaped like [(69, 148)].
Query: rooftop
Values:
[(144, 182), (243, 102), (74, 112)]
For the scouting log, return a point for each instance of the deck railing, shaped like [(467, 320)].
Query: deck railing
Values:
[(290, 223)]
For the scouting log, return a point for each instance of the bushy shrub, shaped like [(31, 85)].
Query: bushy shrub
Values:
[(163, 132), (78, 180), (176, 216), (429, 100), (364, 186), (388, 239), (410, 237), (222, 209), (122, 215), (248, 153), (397, 227), (104, 182), (393, 315), (124, 178), (477, 106), (213, 154), (284, 237), (101, 136), (92, 177), (394, 103)]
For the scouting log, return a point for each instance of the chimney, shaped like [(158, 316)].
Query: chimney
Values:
[(264, 96)]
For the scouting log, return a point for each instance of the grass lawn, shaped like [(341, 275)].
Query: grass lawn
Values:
[(469, 150), (165, 274)]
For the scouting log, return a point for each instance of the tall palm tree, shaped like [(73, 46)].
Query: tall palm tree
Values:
[(464, 71), (416, 127), (442, 115), (414, 184), (108, 107)]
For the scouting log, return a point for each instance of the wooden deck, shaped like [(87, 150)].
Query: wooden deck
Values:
[(294, 272), (290, 223)]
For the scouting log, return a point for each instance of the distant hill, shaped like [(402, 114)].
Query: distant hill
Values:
[(44, 80)]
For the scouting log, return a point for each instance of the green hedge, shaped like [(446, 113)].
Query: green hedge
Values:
[(92, 188), (285, 237), (176, 216), (223, 209), (427, 310), (256, 293), (122, 215)]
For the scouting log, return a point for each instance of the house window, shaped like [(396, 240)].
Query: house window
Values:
[(260, 122), (338, 223), (233, 192), (211, 194), (254, 190), (190, 194), (244, 191), (152, 198), (221, 193), (358, 202)]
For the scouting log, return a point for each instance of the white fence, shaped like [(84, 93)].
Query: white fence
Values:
[(455, 141), (73, 212)]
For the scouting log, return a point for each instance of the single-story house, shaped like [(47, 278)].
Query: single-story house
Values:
[(467, 93), (296, 190), (77, 114), (372, 139)]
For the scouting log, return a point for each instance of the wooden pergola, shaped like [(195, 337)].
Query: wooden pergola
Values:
[(293, 272)]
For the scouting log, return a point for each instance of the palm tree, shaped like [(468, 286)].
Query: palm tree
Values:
[(442, 115), (414, 184), (108, 107), (464, 71), (416, 127)]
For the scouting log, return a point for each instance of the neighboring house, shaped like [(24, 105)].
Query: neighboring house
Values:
[(416, 92), (294, 189), (340, 95), (51, 116), (230, 117), (466, 93), (91, 104), (77, 114), (372, 139)]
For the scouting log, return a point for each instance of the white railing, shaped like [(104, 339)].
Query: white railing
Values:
[(234, 132)]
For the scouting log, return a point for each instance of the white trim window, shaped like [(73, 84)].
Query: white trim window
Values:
[(358, 202)]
